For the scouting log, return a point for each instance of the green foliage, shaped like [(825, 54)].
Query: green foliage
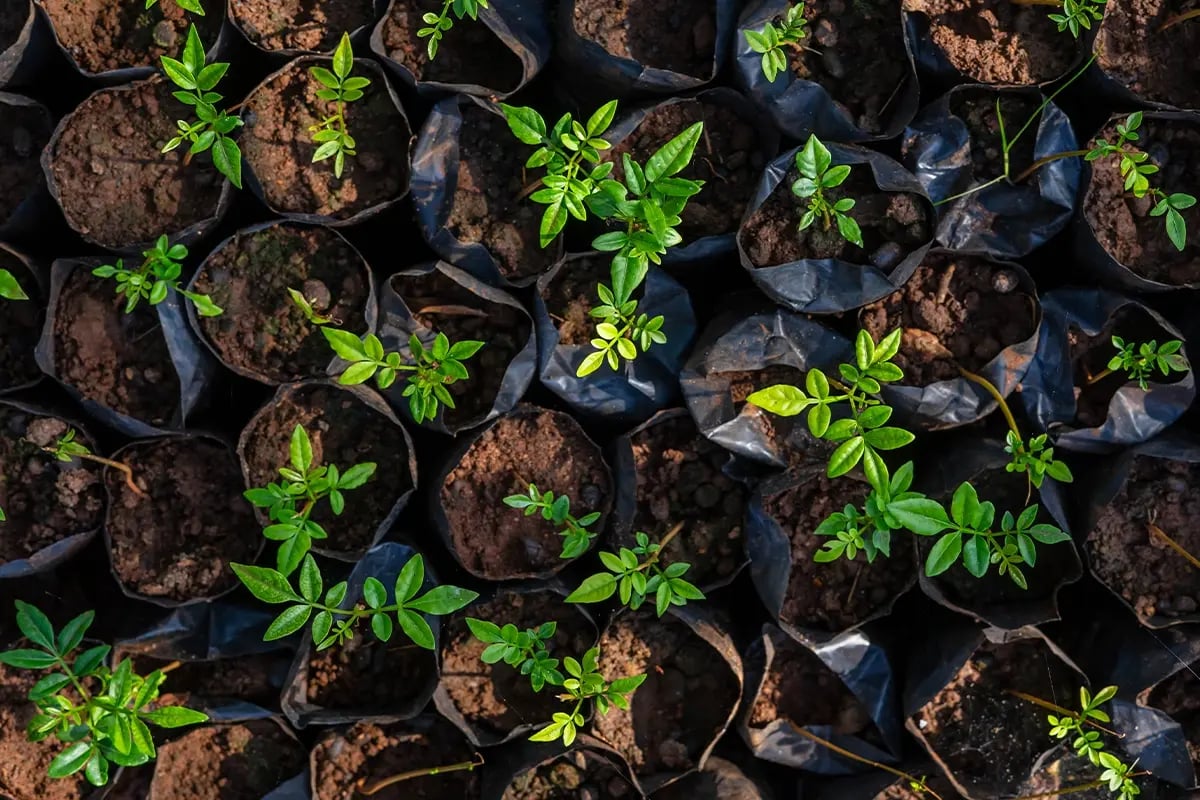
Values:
[(187, 5), (772, 39), (438, 24), (814, 162), (10, 289), (158, 275), (290, 503), (100, 715), (212, 128), (527, 650), (1138, 361), (557, 509), (584, 682), (1035, 459), (1078, 15), (332, 134), (309, 311), (1088, 744), (635, 574), (66, 448)]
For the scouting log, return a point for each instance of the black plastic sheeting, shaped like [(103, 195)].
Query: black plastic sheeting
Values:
[(36, 202), (34, 280), (719, 780), (506, 766), (17, 60)]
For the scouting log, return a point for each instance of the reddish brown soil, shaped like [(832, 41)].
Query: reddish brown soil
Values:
[(24, 132), (677, 35), (108, 157), (1142, 568), (23, 763), (785, 433), (20, 328), (101, 35), (977, 109), (470, 53), (262, 330), (226, 762), (116, 359), (1122, 223), (1155, 64), (366, 675), (545, 448), (278, 146), (575, 775), (955, 311), (1179, 696), (300, 24), (204, 684), (900, 790), (571, 294)]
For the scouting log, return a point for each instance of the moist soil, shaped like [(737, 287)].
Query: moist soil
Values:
[(24, 132), (20, 327), (1142, 568), (571, 294), (974, 708), (997, 41), (300, 24), (23, 763), (840, 594), (176, 542), (344, 431), (95, 173), (1155, 64), (787, 435), (955, 311), (118, 360), (488, 208), (575, 775), (496, 698), (675, 35), (729, 159), (977, 109), (365, 675), (206, 684), (369, 753), (857, 53), (102, 35), (1179, 696), (263, 332), (893, 225), (470, 53), (664, 731), (277, 144), (441, 305), (226, 762), (1122, 223), (532, 446)]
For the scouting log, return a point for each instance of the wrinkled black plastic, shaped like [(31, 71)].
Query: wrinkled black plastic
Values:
[(206, 632), (16, 56), (719, 780), (24, 219), (35, 282), (506, 765)]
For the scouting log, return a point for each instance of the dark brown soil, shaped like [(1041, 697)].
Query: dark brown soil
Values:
[(1155, 64), (262, 331), (956, 311), (1063, 769), (893, 225), (24, 132), (571, 294), (278, 146), (366, 675), (1179, 696), (465, 316), (470, 53), (20, 328), (116, 359), (177, 541), (988, 738), (977, 109), (12, 19), (497, 698), (729, 159), (1142, 568), (300, 24), (487, 207), (664, 730), (900, 790), (545, 448), (677, 35), (108, 157), (996, 41), (23, 764), (857, 53), (837, 595), (789, 435), (344, 431), (101, 35), (204, 684), (1122, 223), (226, 762), (575, 775), (370, 753)]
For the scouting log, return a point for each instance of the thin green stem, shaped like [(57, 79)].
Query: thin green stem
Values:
[(1050, 98), (995, 393), (970, 191)]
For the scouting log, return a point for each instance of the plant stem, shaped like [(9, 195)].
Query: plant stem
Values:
[(1174, 545), (1046, 704), (452, 311), (862, 760), (108, 462), (380, 785), (1178, 18), (1099, 376), (653, 559), (1041, 162), (995, 393), (970, 191)]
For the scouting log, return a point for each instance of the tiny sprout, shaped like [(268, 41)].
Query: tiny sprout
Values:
[(158, 275), (187, 5), (816, 175), (307, 308), (1138, 361), (10, 289), (576, 536), (68, 449), (527, 651), (634, 574), (1078, 15), (1035, 459), (771, 40), (332, 133), (586, 683), (440, 23)]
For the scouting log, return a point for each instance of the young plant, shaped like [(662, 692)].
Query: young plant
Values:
[(1138, 361), (155, 278), (308, 308), (340, 87), (10, 289), (101, 715), (526, 651), (212, 128), (635, 574), (817, 173), (187, 5), (291, 502), (67, 449), (438, 24), (773, 38), (586, 683), (1078, 15), (576, 536)]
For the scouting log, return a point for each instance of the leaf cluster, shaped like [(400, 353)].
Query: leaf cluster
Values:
[(10, 289), (634, 574), (817, 174), (158, 275), (1138, 361), (67, 448), (332, 134), (1087, 743), (586, 683), (309, 310), (1035, 459), (439, 24), (557, 509), (1078, 15), (527, 650), (771, 40), (187, 5)]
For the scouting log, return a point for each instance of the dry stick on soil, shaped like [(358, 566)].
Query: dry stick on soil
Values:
[(1083, 787), (380, 785), (1174, 545), (1046, 704), (1178, 18), (914, 782), (66, 448), (452, 311)]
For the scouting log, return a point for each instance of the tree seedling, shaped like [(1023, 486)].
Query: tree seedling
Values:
[(817, 173), (584, 682), (339, 87), (557, 509), (212, 128), (308, 308), (100, 715), (10, 288), (439, 24), (187, 5), (526, 651), (67, 449), (155, 278), (771, 40), (635, 574), (1139, 360), (1078, 15)]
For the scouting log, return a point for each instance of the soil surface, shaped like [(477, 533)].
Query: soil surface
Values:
[(955, 311), (226, 762), (571, 294), (278, 146), (20, 328), (546, 448), (176, 542), (893, 225), (788, 435), (1139, 566), (94, 171), (300, 24), (116, 359), (205, 684), (488, 208), (575, 775), (496, 698), (13, 17), (676, 35), (1155, 64), (370, 753), (975, 702), (24, 132), (102, 35), (469, 53), (1122, 223), (366, 675), (23, 763), (996, 41), (664, 731), (840, 594), (1179, 696), (977, 109), (344, 431), (264, 332)]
